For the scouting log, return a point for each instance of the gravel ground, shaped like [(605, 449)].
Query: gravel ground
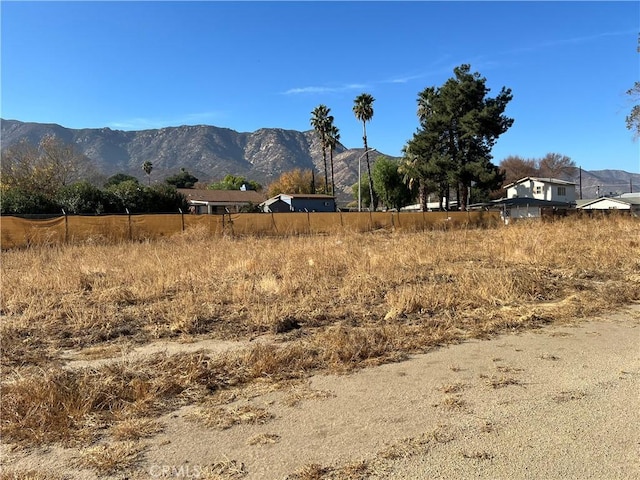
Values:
[(561, 402)]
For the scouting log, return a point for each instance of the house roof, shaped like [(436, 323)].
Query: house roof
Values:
[(622, 201), (308, 196), (555, 181), (531, 202), (222, 196), (634, 195), (318, 196), (271, 201)]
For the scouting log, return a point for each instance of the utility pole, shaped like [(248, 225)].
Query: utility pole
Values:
[(580, 183)]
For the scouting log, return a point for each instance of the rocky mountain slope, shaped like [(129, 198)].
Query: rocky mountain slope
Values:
[(210, 153), (207, 152)]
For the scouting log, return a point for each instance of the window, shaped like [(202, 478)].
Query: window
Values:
[(537, 190), (562, 191)]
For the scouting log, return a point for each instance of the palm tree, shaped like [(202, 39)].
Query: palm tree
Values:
[(363, 110), (147, 167), (333, 136), (319, 121)]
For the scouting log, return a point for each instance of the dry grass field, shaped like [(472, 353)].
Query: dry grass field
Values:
[(275, 311)]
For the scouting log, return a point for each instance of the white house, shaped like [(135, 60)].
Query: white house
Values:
[(629, 203), (549, 189), (533, 197)]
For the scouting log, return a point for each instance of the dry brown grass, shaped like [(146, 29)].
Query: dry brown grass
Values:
[(226, 417), (301, 392), (452, 402), (135, 428), (330, 303), (264, 439), (502, 381), (452, 387), (109, 459)]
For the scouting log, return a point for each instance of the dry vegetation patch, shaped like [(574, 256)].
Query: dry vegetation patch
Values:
[(109, 459), (330, 303), (226, 417)]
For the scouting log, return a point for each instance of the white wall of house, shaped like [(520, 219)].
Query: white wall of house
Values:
[(543, 190), (607, 204)]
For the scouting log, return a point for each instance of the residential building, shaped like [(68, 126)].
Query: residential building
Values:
[(624, 203), (533, 197), (299, 202), (221, 201), (549, 189)]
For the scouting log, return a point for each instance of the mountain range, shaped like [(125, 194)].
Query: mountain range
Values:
[(207, 152), (210, 153)]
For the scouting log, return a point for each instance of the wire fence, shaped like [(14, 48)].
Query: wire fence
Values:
[(20, 232)]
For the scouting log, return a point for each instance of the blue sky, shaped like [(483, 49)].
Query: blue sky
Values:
[(249, 65)]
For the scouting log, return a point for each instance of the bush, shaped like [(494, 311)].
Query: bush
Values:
[(81, 197), (15, 200)]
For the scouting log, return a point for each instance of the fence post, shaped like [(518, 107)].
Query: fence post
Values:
[(66, 226), (181, 217), (230, 222), (129, 222)]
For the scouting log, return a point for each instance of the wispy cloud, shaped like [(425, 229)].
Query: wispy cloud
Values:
[(569, 41), (406, 78), (436, 67), (324, 89), (143, 123)]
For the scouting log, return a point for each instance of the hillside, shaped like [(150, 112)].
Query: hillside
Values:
[(207, 152), (210, 153)]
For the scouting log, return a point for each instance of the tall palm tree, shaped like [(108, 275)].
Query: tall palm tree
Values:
[(363, 110), (319, 122), (333, 136), (148, 167)]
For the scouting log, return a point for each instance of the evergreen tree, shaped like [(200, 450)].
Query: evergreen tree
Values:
[(459, 125)]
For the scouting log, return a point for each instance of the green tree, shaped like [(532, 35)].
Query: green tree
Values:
[(17, 201), (389, 184), (233, 182), (182, 180), (127, 195), (424, 167), (459, 125), (163, 198), (363, 110), (148, 167), (365, 194), (81, 197), (320, 121), (119, 178)]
